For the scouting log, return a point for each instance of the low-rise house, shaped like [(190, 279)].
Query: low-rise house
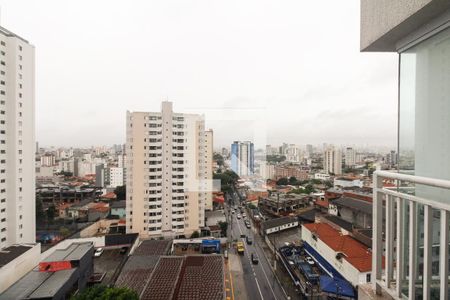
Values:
[(355, 211), (278, 224), (118, 208)]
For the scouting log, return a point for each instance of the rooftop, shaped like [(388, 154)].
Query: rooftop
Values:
[(45, 285), (355, 204), (278, 222), (118, 204), (10, 253), (74, 252)]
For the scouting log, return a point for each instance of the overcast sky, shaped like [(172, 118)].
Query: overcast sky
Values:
[(298, 61)]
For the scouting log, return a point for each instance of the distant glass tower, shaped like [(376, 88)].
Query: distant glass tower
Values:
[(243, 158)]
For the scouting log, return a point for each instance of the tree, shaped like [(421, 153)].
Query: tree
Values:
[(64, 231), (251, 206), (51, 213), (309, 189), (328, 184), (195, 235), (283, 181), (293, 180), (102, 292), (121, 192), (316, 181), (218, 158), (40, 214), (223, 228)]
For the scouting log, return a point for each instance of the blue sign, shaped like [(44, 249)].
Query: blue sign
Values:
[(209, 246)]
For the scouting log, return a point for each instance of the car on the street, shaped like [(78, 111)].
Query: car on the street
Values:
[(240, 247), (254, 259), (249, 240), (244, 215), (123, 250), (309, 260), (248, 225), (232, 211), (98, 252), (238, 216), (225, 254)]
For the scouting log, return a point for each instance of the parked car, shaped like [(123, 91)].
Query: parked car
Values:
[(238, 216), (98, 252), (309, 260), (123, 250), (254, 259), (248, 225), (225, 254)]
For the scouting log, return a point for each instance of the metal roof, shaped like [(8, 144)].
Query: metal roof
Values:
[(278, 222), (355, 204), (74, 252)]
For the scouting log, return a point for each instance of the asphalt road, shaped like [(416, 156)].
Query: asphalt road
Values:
[(259, 280)]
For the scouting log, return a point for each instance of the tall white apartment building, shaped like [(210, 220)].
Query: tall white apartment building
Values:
[(208, 169), (167, 166), (332, 161), (115, 177), (17, 140), (292, 153), (350, 157)]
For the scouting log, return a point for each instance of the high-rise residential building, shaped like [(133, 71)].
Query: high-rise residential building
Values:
[(108, 176), (350, 157), (167, 166), (243, 158), (391, 158), (208, 169), (309, 150), (332, 161), (48, 160), (17, 137), (292, 153)]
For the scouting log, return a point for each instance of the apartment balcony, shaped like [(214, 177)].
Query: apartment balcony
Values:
[(155, 210), (177, 223), (158, 218), (174, 202), (414, 266)]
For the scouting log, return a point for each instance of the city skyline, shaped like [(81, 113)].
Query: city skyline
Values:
[(292, 82)]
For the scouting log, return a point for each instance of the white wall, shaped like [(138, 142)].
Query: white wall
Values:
[(20, 266)]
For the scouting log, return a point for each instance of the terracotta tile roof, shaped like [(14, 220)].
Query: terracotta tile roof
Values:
[(356, 253), (322, 203), (109, 195)]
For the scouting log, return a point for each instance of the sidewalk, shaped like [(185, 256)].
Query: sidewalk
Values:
[(237, 276)]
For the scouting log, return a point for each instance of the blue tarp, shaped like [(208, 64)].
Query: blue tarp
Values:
[(336, 286), (308, 272)]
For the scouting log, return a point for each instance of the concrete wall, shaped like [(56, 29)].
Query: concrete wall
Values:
[(385, 22), (20, 266)]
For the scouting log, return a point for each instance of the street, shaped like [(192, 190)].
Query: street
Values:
[(259, 280)]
